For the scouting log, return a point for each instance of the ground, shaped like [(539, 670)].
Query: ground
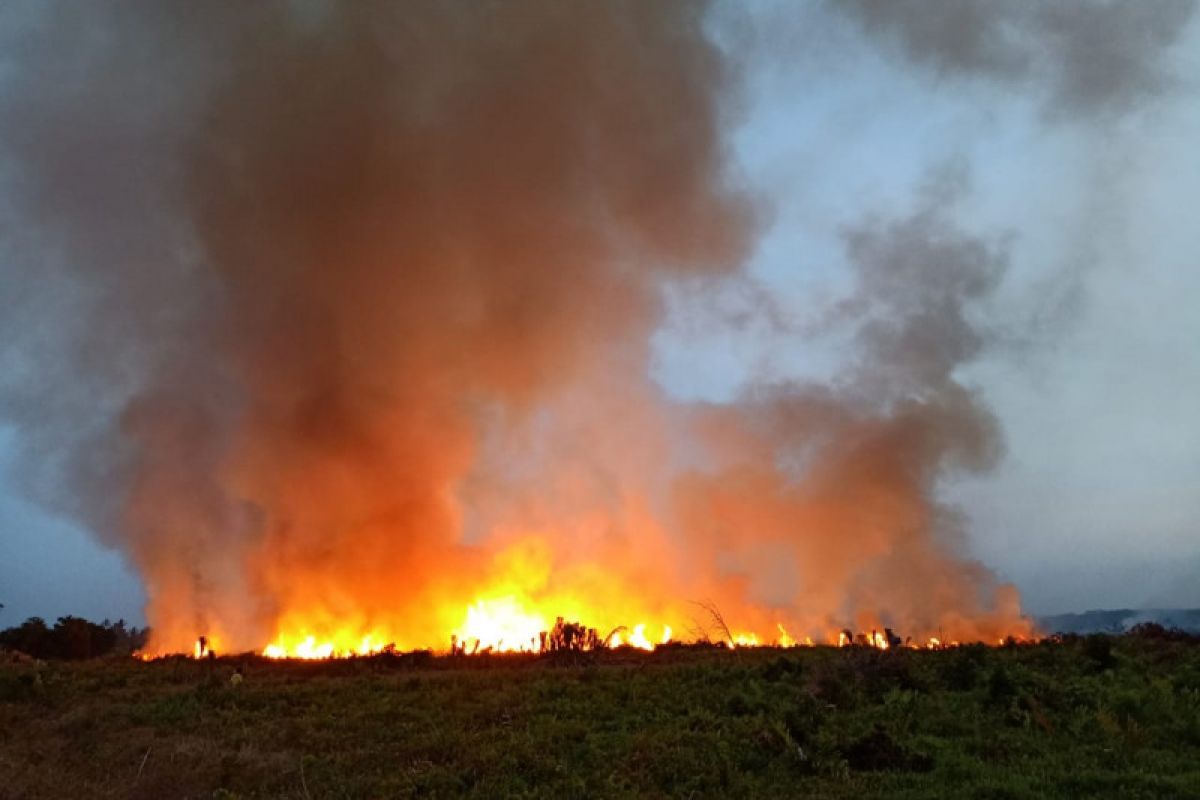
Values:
[(1085, 717)]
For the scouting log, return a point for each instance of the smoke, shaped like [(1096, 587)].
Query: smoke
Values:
[(337, 315), (838, 481), (1092, 56)]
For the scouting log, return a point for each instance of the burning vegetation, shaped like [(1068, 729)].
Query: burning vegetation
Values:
[(365, 319), (508, 636)]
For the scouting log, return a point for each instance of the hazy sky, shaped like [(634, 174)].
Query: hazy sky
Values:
[(1074, 139)]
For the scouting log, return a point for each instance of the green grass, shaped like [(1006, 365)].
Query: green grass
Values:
[(1073, 719)]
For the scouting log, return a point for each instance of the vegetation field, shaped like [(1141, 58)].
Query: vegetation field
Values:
[(1082, 717)]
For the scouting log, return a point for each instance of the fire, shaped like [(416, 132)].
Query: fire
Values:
[(515, 618), (201, 649), (531, 604), (530, 601), (637, 638), (507, 625), (423, 419), (309, 648), (880, 640), (502, 625)]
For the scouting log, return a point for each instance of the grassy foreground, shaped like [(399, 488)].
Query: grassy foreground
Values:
[(1081, 718)]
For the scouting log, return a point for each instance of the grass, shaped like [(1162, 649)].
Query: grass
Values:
[(1082, 718)]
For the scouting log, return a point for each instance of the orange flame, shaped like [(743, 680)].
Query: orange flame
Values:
[(515, 609)]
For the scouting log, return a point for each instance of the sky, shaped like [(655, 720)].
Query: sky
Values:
[(1073, 155)]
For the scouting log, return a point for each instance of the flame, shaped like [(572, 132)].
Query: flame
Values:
[(637, 637), (506, 624), (309, 648), (514, 609), (744, 640), (787, 640), (501, 624), (513, 613)]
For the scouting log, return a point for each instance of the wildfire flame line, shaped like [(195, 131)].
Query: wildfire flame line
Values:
[(503, 625)]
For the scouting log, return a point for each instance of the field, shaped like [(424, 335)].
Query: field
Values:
[(1084, 717)]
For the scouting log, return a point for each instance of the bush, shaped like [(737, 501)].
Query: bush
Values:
[(1097, 648), (878, 751)]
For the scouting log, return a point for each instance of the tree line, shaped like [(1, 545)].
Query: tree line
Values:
[(73, 638)]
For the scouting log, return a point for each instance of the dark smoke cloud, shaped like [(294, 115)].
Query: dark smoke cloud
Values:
[(1093, 56)]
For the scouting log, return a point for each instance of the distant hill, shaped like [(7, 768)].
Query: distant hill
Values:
[(1120, 620)]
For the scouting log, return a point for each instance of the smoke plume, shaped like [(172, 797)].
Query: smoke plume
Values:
[(337, 316), (1092, 56)]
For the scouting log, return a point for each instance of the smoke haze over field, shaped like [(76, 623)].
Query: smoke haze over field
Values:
[(346, 317)]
